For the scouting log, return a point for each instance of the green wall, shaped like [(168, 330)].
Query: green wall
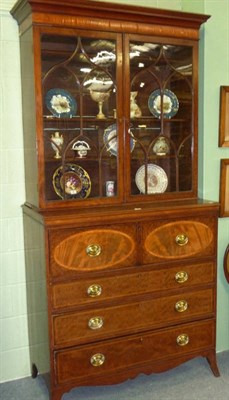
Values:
[(216, 73)]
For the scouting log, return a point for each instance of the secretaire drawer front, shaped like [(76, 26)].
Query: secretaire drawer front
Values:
[(89, 250), (178, 240), (91, 291), (101, 323), (112, 356)]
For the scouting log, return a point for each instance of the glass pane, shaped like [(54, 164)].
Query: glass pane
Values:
[(79, 117), (161, 118)]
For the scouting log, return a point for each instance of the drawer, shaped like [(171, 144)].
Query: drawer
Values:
[(178, 239), (91, 291), (102, 323), (80, 251), (113, 356)]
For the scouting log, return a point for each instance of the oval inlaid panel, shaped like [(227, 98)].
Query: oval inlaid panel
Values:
[(162, 243), (94, 249)]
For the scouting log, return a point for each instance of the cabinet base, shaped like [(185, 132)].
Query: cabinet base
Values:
[(57, 393)]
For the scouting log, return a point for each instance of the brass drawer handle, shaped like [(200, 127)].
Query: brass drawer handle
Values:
[(182, 340), (95, 323), (181, 239), (93, 250), (181, 277), (97, 360), (181, 306), (94, 290)]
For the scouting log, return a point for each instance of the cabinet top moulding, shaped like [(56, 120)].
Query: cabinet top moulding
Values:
[(52, 12)]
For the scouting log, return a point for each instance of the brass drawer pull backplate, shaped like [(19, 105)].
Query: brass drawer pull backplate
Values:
[(94, 290), (97, 360), (181, 306), (93, 250), (181, 239), (95, 323), (181, 277), (182, 340)]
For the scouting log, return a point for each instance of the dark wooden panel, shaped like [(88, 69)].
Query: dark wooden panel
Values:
[(73, 294), (120, 320), (161, 241), (70, 249), (135, 351)]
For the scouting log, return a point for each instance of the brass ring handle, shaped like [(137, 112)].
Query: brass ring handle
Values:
[(93, 250), (181, 239), (182, 340), (94, 290), (97, 360), (95, 323), (181, 276), (181, 306)]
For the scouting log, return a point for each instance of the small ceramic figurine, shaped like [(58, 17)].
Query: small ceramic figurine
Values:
[(57, 141), (161, 147), (135, 111), (81, 147)]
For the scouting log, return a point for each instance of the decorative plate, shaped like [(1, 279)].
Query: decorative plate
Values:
[(157, 180), (170, 103), (73, 183), (110, 139), (60, 103)]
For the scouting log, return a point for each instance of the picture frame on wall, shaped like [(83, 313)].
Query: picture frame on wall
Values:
[(224, 188), (224, 117), (226, 263)]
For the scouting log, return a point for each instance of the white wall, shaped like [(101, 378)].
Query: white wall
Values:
[(14, 360)]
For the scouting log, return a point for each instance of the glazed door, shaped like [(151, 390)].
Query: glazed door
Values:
[(81, 90), (162, 119)]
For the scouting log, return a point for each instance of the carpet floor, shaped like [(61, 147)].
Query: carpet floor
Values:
[(190, 381)]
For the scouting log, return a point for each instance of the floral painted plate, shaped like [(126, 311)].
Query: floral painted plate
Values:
[(157, 180), (73, 183), (110, 139), (60, 103), (170, 103)]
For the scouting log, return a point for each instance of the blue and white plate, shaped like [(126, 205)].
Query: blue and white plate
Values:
[(170, 103), (60, 103), (110, 139)]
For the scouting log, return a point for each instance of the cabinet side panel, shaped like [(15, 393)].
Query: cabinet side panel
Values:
[(29, 117), (36, 293)]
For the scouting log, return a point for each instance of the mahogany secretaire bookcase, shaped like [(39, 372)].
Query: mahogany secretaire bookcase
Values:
[(114, 229)]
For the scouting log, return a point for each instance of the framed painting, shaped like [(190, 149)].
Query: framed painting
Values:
[(224, 188), (226, 263), (224, 117)]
